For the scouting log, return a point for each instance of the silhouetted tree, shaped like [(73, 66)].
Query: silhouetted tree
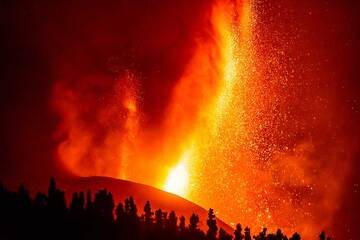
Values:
[(77, 204), (89, 211), (194, 231), (130, 209), (47, 217), (238, 232), (120, 214), (24, 200), (132, 219), (159, 221), (89, 203), (262, 235), (247, 233), (148, 214), (194, 221), (280, 236), (211, 222), (182, 226), (295, 236), (81, 202), (56, 198), (104, 205), (172, 222)]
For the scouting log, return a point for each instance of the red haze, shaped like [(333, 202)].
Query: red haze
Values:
[(127, 89)]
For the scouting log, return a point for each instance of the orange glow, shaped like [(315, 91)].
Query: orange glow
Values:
[(231, 123), (177, 181)]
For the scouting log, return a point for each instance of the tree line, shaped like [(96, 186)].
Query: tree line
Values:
[(47, 216)]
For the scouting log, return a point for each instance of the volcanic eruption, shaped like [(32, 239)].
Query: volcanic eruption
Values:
[(237, 105), (242, 127)]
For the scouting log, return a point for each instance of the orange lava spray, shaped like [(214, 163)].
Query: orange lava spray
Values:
[(237, 134)]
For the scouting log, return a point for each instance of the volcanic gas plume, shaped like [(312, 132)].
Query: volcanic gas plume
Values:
[(245, 130)]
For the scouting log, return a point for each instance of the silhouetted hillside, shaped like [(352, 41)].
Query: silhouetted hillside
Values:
[(122, 189), (98, 216)]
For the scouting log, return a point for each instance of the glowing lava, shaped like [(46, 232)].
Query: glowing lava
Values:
[(238, 133), (177, 181), (232, 48)]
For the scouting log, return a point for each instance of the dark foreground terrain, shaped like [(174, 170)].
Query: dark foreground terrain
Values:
[(88, 216)]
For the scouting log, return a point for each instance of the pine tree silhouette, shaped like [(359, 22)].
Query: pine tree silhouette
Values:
[(262, 235), (47, 217), (295, 236), (172, 222), (159, 218), (280, 236), (238, 232), (148, 214), (211, 222), (104, 206), (120, 214), (182, 226), (247, 233), (194, 221)]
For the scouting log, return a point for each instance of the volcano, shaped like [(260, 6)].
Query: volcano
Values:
[(141, 193)]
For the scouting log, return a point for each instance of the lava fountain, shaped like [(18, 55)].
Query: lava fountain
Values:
[(237, 135), (232, 53)]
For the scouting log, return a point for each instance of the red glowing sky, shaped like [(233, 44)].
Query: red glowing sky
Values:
[(261, 96)]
